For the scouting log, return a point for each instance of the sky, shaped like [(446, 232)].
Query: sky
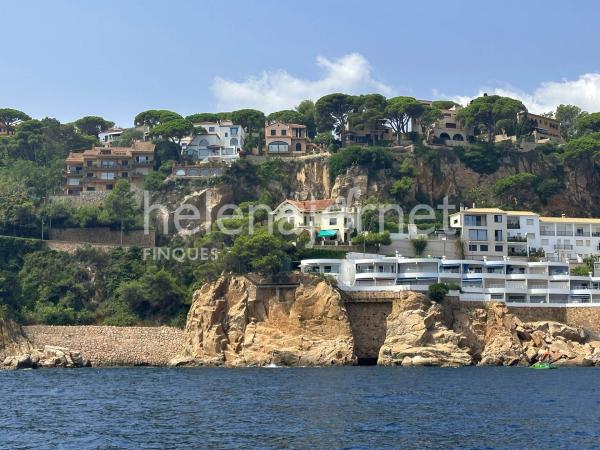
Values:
[(68, 59)]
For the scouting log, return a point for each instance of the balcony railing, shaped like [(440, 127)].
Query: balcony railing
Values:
[(513, 225), (547, 233), (563, 247), (582, 233), (517, 239), (564, 233)]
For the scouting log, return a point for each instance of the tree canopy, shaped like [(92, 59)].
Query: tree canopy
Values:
[(203, 117), (333, 111), (92, 125), (10, 117), (568, 115), (399, 111), (488, 110), (153, 117), (286, 116), (174, 130), (309, 112), (588, 123)]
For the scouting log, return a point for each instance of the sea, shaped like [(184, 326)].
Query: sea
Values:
[(366, 407)]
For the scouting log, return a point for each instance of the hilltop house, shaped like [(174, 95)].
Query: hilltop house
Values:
[(325, 220), (221, 140), (448, 128), (365, 135), (109, 136), (99, 168), (286, 139)]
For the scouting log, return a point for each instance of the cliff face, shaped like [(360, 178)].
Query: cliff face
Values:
[(233, 322), (12, 340), (417, 336)]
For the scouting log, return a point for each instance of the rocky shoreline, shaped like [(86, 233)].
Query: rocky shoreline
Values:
[(236, 322)]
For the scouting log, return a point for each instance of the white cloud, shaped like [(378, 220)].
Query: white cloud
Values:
[(583, 92), (274, 91)]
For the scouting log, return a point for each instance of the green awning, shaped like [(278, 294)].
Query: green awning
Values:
[(327, 233)]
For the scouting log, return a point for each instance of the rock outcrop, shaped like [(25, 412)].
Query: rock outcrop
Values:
[(417, 336), (497, 337), (12, 340), (236, 322), (49, 357)]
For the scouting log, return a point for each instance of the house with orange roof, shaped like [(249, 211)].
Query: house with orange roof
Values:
[(99, 168), (326, 220)]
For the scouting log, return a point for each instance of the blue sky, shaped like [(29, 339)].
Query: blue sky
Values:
[(67, 59)]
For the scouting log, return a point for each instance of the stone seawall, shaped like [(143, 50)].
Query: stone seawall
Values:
[(112, 346)]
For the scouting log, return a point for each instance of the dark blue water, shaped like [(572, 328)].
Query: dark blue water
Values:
[(348, 407)]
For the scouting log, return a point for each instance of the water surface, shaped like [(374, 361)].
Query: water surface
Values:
[(345, 407)]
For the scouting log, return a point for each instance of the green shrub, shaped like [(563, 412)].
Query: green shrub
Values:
[(372, 158), (511, 183), (437, 291), (419, 245)]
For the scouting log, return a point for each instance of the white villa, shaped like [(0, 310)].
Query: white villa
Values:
[(325, 220), (514, 282), (109, 136), (222, 141)]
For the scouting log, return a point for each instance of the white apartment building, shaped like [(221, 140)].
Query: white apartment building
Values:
[(495, 233), (222, 141), (514, 282), (483, 231), (327, 221)]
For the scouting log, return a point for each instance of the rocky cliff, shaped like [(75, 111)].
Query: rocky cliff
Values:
[(12, 340), (234, 322)]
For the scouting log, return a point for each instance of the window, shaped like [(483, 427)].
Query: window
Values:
[(529, 221), (107, 175), (226, 134), (498, 235), (109, 187), (278, 147), (211, 129), (545, 241), (472, 248), (498, 218), (233, 142), (450, 125), (298, 147), (483, 248), (333, 221), (478, 235), (234, 132), (474, 221), (273, 132), (499, 248), (283, 132), (125, 174), (90, 174), (579, 242)]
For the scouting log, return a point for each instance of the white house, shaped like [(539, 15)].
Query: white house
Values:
[(325, 220), (109, 136), (222, 141)]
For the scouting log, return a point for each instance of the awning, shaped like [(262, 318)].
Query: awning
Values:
[(327, 233)]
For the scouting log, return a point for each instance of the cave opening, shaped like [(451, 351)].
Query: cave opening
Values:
[(367, 361)]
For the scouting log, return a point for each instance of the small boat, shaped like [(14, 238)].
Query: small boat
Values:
[(543, 365)]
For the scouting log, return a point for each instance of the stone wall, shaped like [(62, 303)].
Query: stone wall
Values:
[(71, 247), (112, 346), (103, 235), (369, 326)]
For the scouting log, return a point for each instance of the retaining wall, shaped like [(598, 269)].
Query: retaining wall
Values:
[(112, 346), (103, 235)]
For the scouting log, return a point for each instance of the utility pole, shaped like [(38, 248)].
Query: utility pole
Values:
[(42, 228), (121, 232)]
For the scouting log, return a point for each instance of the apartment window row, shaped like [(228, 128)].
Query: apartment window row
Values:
[(485, 248)]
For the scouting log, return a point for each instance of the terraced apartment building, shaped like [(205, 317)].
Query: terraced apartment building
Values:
[(99, 168)]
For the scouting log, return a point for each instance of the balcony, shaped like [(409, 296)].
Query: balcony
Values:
[(547, 233), (563, 247), (564, 233), (513, 225), (517, 239), (582, 233)]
